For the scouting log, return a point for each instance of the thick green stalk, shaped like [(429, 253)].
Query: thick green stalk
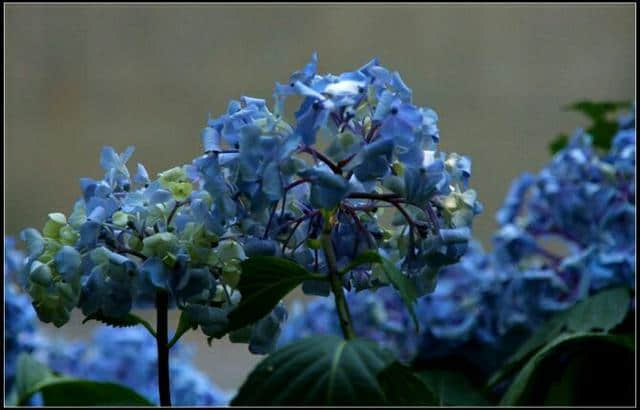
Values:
[(162, 330), (336, 285)]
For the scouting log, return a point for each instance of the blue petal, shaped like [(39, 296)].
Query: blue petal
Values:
[(89, 232), (156, 272), (68, 261), (210, 140), (34, 241), (266, 331)]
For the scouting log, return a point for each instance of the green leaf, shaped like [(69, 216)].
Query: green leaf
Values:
[(264, 281), (603, 133), (127, 320), (558, 143), (67, 391), (535, 381), (33, 377), (402, 387), (242, 335), (547, 332), (319, 370), (453, 388), (602, 129), (29, 372), (597, 110), (405, 287), (602, 311), (184, 325), (363, 258)]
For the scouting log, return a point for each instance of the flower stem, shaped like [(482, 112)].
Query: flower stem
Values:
[(336, 284), (162, 325)]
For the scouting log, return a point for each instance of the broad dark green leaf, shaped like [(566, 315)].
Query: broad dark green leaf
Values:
[(127, 320), (67, 391), (547, 332), (403, 388), (242, 335), (264, 281), (602, 311), (319, 370), (453, 388), (533, 383), (29, 372), (34, 377)]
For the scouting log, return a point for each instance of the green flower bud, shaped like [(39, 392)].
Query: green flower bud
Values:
[(120, 218), (68, 235), (159, 244), (41, 274), (52, 227)]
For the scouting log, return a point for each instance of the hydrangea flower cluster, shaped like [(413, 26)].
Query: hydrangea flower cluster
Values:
[(20, 329), (484, 306), (583, 201), (125, 356), (358, 147)]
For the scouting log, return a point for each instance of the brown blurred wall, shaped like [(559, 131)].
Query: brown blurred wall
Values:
[(80, 77)]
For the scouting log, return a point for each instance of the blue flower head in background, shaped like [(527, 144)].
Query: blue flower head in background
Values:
[(128, 356), (357, 152), (569, 230), (483, 307), (20, 319)]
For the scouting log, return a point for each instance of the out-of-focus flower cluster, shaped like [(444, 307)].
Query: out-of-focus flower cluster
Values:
[(20, 319), (358, 147), (126, 356), (570, 229), (484, 306)]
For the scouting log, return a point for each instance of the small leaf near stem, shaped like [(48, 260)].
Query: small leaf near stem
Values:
[(184, 325), (126, 321)]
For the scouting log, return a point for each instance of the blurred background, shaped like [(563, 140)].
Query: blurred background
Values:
[(80, 77)]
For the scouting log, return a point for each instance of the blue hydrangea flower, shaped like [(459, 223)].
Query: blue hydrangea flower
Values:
[(584, 201), (20, 324), (486, 305), (358, 147)]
